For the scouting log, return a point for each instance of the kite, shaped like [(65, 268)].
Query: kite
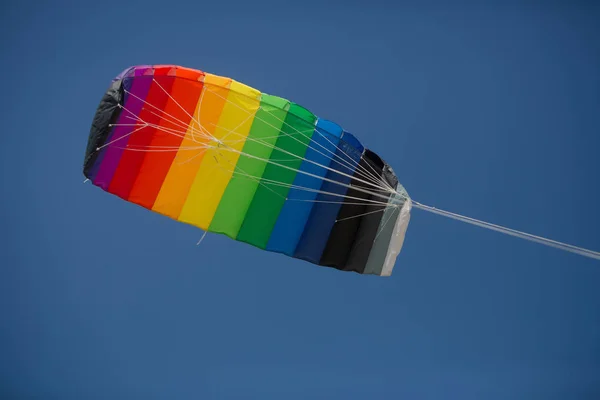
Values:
[(212, 152)]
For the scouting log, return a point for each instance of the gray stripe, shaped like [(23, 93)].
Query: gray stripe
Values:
[(386, 229)]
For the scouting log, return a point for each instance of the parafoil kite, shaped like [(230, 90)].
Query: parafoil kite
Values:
[(215, 153)]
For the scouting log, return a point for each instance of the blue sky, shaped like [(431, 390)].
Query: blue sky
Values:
[(486, 110)]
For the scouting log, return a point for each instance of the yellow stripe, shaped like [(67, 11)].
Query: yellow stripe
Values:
[(218, 163)]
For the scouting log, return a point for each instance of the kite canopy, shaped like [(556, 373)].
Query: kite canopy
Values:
[(214, 153)]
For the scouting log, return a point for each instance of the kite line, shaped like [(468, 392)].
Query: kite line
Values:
[(508, 231)]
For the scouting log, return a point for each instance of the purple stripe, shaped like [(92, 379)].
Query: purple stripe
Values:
[(109, 159), (124, 74)]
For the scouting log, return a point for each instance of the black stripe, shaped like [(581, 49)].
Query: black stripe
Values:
[(350, 240), (106, 114), (369, 224)]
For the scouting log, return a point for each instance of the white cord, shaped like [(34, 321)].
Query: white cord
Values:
[(523, 235)]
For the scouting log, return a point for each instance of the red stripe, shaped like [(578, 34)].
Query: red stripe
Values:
[(185, 95), (131, 160)]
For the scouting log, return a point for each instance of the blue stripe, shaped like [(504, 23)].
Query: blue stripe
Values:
[(323, 215), (294, 214)]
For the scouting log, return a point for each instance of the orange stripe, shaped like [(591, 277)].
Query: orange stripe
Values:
[(181, 175)]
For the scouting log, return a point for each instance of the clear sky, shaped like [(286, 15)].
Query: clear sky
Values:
[(492, 111)]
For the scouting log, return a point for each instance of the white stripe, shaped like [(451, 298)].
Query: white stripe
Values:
[(397, 239)]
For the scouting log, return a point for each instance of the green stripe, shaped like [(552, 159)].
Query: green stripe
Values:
[(269, 199), (240, 190)]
